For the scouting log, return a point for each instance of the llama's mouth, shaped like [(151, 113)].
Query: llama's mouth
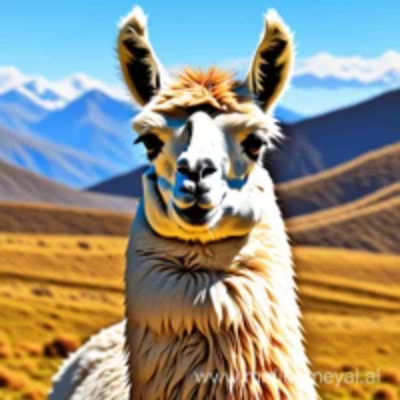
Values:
[(195, 215)]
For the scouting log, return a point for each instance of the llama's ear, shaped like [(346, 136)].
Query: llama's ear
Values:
[(272, 63), (139, 65)]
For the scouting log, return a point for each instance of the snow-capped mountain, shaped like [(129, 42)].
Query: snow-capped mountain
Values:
[(18, 109), (77, 114), (53, 95), (10, 78), (327, 71)]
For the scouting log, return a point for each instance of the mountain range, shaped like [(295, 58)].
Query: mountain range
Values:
[(76, 131), (53, 161), (315, 144)]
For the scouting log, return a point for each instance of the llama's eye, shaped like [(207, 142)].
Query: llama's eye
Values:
[(152, 143), (253, 144)]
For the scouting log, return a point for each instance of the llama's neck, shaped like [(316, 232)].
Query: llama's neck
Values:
[(217, 320)]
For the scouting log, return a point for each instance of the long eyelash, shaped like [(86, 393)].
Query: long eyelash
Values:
[(152, 150), (152, 156), (139, 139), (259, 141)]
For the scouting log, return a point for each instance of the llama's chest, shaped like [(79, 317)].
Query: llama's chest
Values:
[(163, 294), (198, 330), (227, 365), (205, 329)]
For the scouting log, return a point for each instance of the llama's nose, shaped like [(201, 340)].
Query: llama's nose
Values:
[(197, 171)]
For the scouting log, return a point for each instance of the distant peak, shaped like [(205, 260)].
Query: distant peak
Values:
[(54, 94)]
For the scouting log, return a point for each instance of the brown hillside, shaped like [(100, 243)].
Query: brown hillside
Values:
[(21, 186), (345, 183), (372, 228), (331, 214), (31, 218)]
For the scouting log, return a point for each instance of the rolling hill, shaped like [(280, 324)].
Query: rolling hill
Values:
[(348, 182), (330, 214), (49, 219), (373, 227), (18, 185), (323, 142)]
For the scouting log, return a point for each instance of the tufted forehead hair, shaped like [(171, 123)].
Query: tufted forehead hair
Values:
[(212, 89)]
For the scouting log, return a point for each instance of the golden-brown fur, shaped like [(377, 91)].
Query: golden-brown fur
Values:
[(193, 87)]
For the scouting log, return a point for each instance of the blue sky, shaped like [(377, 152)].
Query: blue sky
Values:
[(57, 38)]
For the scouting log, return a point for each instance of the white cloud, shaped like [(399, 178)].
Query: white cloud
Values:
[(327, 71), (10, 77)]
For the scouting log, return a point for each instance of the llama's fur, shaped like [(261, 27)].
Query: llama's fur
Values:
[(215, 321), (225, 310), (101, 359), (211, 312)]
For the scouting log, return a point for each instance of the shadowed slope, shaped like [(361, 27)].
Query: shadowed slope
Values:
[(331, 214), (345, 183), (332, 139), (129, 184), (373, 228), (18, 185)]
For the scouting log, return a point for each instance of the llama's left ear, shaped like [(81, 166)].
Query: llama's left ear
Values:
[(139, 65), (272, 63)]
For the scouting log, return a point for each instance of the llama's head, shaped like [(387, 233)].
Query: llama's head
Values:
[(205, 132)]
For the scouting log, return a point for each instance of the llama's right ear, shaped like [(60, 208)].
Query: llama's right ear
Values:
[(272, 63), (140, 68)]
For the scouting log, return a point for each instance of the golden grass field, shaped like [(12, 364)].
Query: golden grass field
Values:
[(57, 290)]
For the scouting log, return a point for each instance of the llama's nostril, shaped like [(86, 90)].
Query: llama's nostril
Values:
[(199, 170), (207, 171), (184, 169)]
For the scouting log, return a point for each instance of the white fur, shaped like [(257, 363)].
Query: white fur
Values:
[(103, 359)]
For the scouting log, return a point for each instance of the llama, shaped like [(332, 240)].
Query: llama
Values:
[(211, 310)]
